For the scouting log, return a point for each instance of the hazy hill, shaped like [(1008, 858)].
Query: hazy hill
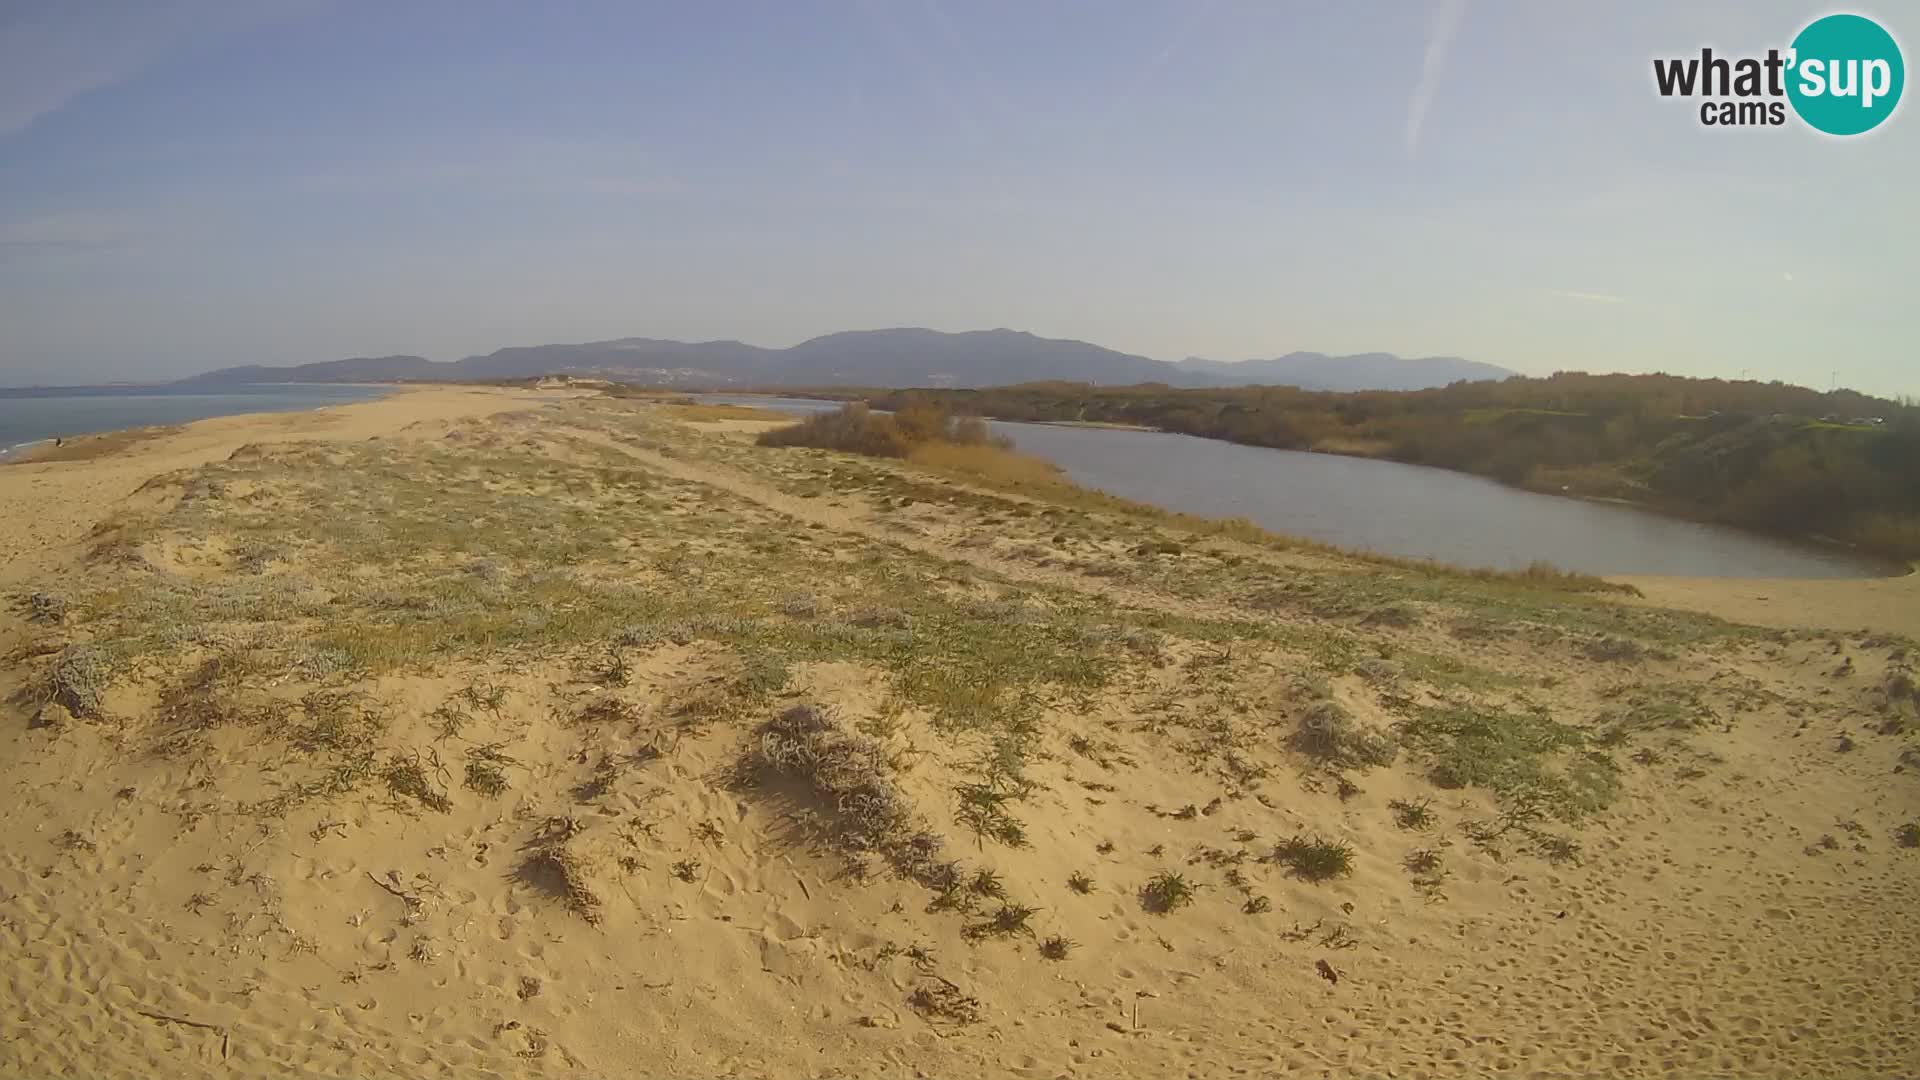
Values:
[(902, 357), (1361, 371), (358, 369)]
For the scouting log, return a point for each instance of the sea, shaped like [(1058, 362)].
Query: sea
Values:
[(30, 415)]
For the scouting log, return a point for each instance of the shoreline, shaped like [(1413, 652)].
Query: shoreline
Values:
[(29, 449)]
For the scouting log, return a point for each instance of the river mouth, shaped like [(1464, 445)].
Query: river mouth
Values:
[(1408, 511)]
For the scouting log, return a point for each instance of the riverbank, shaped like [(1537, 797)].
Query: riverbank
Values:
[(480, 732), (1355, 502), (1740, 455)]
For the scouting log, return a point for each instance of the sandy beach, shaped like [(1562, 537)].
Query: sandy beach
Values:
[(475, 732)]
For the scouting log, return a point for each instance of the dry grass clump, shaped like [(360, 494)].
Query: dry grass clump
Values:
[(939, 999), (853, 776), (486, 778), (407, 776), (881, 618), (998, 464), (485, 774), (1007, 920), (556, 864), (607, 709), (79, 680), (1328, 735), (71, 840), (1413, 814), (1616, 650), (1900, 684), (1427, 868), (45, 607)]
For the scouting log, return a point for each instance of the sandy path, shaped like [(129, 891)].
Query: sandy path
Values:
[(51, 505), (814, 512), (1888, 605)]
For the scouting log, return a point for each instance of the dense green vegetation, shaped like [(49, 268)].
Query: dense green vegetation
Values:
[(1765, 456)]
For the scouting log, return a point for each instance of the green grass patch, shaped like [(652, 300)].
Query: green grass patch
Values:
[(1515, 756)]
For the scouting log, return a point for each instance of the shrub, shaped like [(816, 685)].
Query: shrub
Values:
[(853, 428), (972, 431), (858, 429), (922, 421)]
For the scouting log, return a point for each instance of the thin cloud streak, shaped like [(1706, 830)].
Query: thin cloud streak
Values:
[(1588, 297), (503, 167), (53, 52), (1446, 23)]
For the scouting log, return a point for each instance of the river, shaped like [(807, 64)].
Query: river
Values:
[(1395, 509)]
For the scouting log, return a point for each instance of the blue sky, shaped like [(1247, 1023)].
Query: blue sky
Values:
[(186, 184)]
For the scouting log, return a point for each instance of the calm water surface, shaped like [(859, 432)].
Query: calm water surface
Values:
[(1396, 509), (31, 415)]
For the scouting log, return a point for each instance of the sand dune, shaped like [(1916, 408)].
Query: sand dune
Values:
[(442, 736)]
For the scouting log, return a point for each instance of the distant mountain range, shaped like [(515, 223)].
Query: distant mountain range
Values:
[(880, 358), (1360, 371)]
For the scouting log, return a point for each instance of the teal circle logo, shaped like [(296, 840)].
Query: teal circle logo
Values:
[(1846, 74)]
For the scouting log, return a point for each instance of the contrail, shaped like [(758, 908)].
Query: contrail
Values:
[(1446, 21)]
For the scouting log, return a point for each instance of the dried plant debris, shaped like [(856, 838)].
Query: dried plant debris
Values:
[(938, 999), (853, 776), (558, 863)]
